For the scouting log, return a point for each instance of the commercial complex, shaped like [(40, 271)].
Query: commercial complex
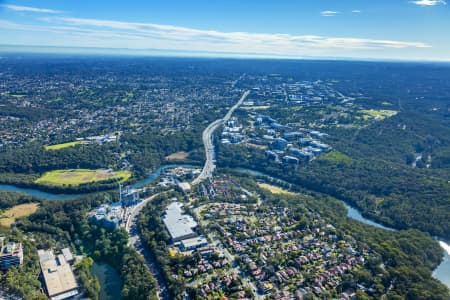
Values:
[(58, 275), (109, 215), (11, 255)]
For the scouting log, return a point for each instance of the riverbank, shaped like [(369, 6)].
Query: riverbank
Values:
[(55, 196)]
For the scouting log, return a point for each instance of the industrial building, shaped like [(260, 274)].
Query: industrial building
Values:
[(129, 196), (58, 275), (10, 255), (179, 225), (184, 187)]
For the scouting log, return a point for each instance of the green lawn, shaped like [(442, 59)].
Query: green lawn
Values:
[(335, 156), (62, 146), (80, 176), (9, 216)]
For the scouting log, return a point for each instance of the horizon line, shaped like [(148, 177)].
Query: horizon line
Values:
[(174, 53)]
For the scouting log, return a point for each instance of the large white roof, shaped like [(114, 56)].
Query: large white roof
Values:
[(178, 224)]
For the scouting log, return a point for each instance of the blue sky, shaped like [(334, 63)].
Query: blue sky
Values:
[(378, 29)]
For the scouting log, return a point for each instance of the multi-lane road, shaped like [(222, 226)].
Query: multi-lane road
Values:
[(210, 151), (136, 242)]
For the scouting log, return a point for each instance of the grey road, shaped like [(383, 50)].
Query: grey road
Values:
[(210, 151), (135, 242)]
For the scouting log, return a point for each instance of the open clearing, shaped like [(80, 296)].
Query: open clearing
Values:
[(274, 189), (262, 147), (80, 176), (8, 217), (177, 156), (380, 114), (261, 107), (62, 146), (335, 156)]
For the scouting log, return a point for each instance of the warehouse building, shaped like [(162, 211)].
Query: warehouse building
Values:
[(184, 187), (179, 225)]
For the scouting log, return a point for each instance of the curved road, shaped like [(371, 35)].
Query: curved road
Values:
[(210, 163), (136, 242)]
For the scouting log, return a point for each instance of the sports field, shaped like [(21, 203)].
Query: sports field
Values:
[(9, 216), (62, 146), (380, 114), (274, 189), (177, 156), (76, 177)]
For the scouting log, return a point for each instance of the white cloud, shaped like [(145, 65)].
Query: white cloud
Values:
[(356, 11), (30, 9), (253, 42), (328, 13), (141, 36), (429, 2)]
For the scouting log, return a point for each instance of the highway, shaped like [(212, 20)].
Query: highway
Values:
[(210, 151)]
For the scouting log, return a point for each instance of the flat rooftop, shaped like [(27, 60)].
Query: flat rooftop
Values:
[(178, 224), (58, 276), (194, 242), (11, 249)]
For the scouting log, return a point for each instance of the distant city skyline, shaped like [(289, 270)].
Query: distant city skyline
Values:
[(353, 29)]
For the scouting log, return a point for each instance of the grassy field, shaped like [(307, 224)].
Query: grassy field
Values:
[(178, 156), (380, 114), (62, 146), (80, 176), (9, 216), (335, 156), (262, 107), (274, 189), (262, 147)]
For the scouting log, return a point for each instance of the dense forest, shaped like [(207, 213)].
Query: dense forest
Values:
[(155, 237)]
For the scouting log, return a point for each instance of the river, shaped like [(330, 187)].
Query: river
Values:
[(441, 273), (58, 197)]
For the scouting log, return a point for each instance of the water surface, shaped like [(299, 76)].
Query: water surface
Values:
[(110, 282), (54, 196)]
